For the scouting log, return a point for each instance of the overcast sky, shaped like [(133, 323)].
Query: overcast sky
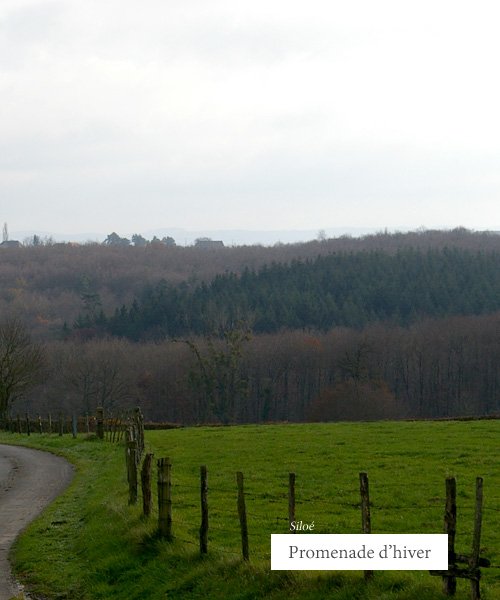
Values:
[(225, 114)]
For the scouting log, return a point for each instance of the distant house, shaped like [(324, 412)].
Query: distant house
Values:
[(209, 244), (11, 244)]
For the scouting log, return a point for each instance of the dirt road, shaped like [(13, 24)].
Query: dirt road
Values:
[(29, 481)]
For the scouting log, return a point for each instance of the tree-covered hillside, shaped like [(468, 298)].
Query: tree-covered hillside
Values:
[(44, 284), (334, 290), (385, 326)]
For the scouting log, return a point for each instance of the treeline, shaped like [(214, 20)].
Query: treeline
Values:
[(434, 368), (336, 290)]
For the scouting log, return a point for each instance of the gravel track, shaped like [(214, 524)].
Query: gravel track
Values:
[(29, 481)]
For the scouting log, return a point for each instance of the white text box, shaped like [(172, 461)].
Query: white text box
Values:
[(388, 552)]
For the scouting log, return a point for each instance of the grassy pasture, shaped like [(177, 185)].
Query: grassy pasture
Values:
[(91, 545)]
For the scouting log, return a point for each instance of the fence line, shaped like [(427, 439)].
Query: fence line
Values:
[(130, 426), (239, 515), (111, 427)]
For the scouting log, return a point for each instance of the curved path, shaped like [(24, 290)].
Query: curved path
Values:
[(29, 481)]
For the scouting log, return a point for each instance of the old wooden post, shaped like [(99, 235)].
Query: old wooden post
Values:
[(18, 424), (472, 560), (476, 540), (40, 426), (365, 511), (132, 470), (49, 422), (87, 424), (242, 513), (146, 476), (450, 528), (291, 502), (128, 438), (27, 423), (139, 423), (100, 423), (204, 510), (61, 423), (74, 426), (165, 497)]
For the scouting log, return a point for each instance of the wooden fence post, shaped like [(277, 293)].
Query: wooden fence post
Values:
[(242, 513), (473, 560), (291, 502), (128, 438), (476, 540), (27, 423), (165, 497), (61, 423), (40, 426), (132, 470), (204, 510), (450, 528), (74, 426), (100, 423), (49, 424), (365, 511), (139, 423), (146, 475)]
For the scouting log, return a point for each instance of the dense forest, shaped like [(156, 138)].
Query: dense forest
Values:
[(384, 326), (337, 290)]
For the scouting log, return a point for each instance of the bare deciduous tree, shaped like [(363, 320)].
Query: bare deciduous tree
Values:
[(22, 365), (97, 374)]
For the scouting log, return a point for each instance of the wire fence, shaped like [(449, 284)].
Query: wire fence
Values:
[(269, 508), (235, 516), (244, 512)]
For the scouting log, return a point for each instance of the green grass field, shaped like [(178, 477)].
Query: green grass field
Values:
[(91, 545)]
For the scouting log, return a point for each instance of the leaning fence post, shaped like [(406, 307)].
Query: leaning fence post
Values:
[(146, 472), (476, 540), (165, 497), (243, 516), (450, 528), (204, 510), (291, 502), (365, 511)]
